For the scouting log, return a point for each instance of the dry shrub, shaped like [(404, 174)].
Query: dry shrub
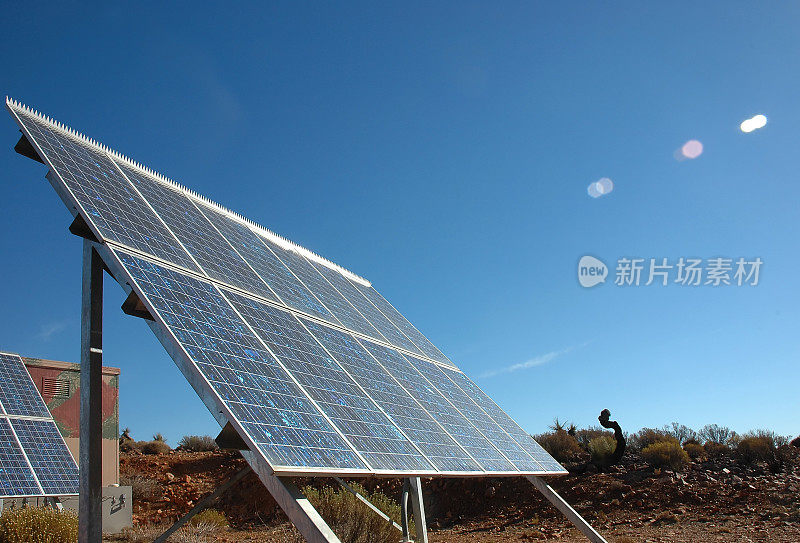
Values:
[(695, 451), (198, 444), (141, 487), (191, 533), (351, 519), (756, 449), (718, 434), (665, 454), (585, 435), (646, 437), (715, 450), (211, 517), (38, 525), (602, 449), (561, 446), (156, 446)]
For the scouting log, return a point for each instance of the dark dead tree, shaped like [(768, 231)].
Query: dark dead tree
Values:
[(604, 417)]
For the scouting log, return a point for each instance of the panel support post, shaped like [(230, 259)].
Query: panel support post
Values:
[(565, 508), (296, 506), (419, 510), (90, 516)]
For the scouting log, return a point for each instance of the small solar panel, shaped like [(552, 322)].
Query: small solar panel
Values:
[(18, 394), (317, 372), (34, 460), (49, 457), (16, 474)]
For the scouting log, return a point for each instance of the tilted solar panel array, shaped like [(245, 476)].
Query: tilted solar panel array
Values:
[(311, 365), (34, 460)]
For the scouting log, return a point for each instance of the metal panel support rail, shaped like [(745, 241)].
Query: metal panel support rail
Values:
[(573, 516), (90, 513), (204, 503), (369, 504)]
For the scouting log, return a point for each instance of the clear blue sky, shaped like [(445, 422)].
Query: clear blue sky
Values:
[(443, 151)]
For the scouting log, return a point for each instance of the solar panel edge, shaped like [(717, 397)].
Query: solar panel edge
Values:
[(446, 360), (368, 318), (73, 204), (502, 411), (201, 384), (14, 105), (67, 195), (544, 470)]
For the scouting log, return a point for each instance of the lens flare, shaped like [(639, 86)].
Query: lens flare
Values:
[(692, 149), (601, 187), (753, 123)]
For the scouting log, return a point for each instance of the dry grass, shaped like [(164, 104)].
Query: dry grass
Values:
[(141, 487), (201, 532), (38, 525), (351, 519)]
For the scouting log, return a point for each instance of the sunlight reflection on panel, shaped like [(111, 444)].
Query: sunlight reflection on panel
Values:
[(600, 188)]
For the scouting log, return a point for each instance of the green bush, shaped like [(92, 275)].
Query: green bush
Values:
[(585, 435), (561, 446), (694, 450), (211, 517), (38, 525), (602, 449), (665, 454), (198, 444), (156, 446), (351, 519)]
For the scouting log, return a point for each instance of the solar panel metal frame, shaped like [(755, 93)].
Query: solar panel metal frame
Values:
[(167, 338), (10, 418)]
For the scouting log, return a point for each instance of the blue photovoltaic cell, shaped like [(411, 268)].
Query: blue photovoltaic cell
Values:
[(328, 295), (16, 477), (402, 323), (111, 203), (51, 460), (311, 397), (274, 272), (368, 430), (216, 256), (456, 424), (507, 423), (472, 411), (18, 394), (288, 429), (392, 334), (409, 415)]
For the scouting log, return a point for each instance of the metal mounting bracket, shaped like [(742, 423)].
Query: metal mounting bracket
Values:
[(82, 230), (203, 504), (134, 307), (561, 504), (229, 438), (25, 148)]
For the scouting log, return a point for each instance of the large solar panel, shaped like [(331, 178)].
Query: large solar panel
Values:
[(310, 364), (34, 460)]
